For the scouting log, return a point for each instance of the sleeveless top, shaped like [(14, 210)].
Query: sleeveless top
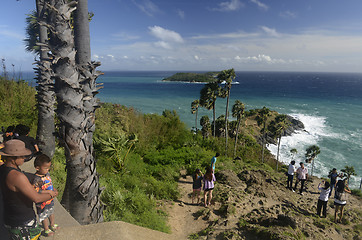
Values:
[(18, 209)]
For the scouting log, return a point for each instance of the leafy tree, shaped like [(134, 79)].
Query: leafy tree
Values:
[(261, 119), (238, 112), (208, 96), (226, 77), (277, 128), (311, 154), (194, 110), (348, 172), (205, 126)]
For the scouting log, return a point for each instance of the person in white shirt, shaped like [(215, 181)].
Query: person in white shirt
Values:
[(291, 171), (302, 177), (323, 198)]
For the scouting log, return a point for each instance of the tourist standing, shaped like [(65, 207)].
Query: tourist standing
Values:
[(209, 179), (323, 198), (302, 172), (196, 185), (333, 177), (213, 162), (340, 199), (291, 171)]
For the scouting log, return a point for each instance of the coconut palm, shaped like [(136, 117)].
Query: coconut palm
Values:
[(75, 90), (261, 119), (238, 112), (277, 128), (226, 77), (311, 154), (208, 96), (194, 110)]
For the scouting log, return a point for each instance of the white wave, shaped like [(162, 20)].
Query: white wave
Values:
[(316, 129)]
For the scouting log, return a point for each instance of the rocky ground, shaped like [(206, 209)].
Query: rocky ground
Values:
[(254, 204)]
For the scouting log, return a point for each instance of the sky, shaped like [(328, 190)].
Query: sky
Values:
[(208, 35)]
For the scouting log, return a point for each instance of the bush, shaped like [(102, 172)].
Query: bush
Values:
[(18, 104)]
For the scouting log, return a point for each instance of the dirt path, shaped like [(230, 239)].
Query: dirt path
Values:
[(182, 213)]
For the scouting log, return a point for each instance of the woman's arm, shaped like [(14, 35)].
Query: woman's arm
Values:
[(18, 182)]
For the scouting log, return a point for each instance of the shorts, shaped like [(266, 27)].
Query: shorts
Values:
[(208, 189), (45, 213), (339, 204), (196, 189), (28, 231)]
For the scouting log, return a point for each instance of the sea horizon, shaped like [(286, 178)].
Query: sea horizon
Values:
[(329, 105)]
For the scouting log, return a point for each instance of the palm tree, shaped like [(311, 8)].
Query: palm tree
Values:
[(238, 112), (226, 76), (311, 154), (349, 171), (206, 126), (261, 119), (194, 110), (208, 96), (75, 75), (278, 127), (37, 36)]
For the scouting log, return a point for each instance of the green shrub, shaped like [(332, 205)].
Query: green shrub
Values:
[(18, 104), (356, 192)]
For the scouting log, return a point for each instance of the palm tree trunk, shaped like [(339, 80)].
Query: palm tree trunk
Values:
[(214, 117), (75, 89), (45, 88), (226, 122), (263, 147), (236, 137), (196, 121), (278, 151)]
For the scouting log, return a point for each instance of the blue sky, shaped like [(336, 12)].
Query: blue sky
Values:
[(248, 35)]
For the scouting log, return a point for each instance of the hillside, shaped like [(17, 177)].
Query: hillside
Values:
[(255, 204)]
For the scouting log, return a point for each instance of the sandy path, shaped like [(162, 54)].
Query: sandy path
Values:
[(181, 212)]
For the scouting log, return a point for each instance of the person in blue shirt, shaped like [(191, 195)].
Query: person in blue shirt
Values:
[(333, 177), (213, 161)]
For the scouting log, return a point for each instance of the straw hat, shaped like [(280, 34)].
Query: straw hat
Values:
[(14, 148)]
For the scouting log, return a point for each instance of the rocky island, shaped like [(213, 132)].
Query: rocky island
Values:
[(192, 77)]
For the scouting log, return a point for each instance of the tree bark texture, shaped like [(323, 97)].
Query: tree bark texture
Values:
[(45, 89), (75, 89)]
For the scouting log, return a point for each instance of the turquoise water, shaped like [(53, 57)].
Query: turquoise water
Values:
[(329, 104)]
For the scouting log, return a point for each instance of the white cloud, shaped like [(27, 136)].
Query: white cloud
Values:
[(288, 15), (260, 5), (232, 5), (196, 57), (163, 44), (261, 58), (147, 7), (270, 31), (125, 36), (165, 34), (230, 35), (181, 14)]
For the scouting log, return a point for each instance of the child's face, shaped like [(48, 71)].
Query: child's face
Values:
[(44, 168)]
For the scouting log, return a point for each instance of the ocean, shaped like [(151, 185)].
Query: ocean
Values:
[(329, 105)]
